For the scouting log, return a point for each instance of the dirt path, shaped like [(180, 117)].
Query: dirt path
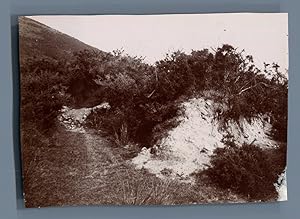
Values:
[(99, 163), (98, 155)]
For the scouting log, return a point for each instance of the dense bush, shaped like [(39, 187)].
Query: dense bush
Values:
[(144, 98), (131, 88), (113, 77), (247, 170), (147, 96), (134, 123), (42, 91)]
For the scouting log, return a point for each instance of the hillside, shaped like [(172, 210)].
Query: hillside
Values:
[(39, 40), (107, 128)]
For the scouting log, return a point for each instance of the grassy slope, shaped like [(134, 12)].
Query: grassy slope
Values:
[(39, 40)]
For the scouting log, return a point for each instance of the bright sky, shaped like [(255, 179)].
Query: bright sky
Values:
[(265, 36)]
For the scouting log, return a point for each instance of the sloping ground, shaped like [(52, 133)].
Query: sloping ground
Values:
[(81, 167), (188, 146), (84, 168), (39, 40)]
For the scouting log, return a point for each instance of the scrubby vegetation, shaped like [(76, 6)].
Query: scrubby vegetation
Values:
[(248, 170), (152, 97), (144, 97), (145, 102)]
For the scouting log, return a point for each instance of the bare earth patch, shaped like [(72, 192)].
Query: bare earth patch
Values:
[(188, 147)]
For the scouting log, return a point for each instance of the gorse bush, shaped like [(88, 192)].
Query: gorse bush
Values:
[(115, 77), (135, 122), (41, 93), (247, 170), (147, 96), (144, 97)]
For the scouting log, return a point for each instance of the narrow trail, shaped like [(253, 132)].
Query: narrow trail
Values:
[(98, 155), (99, 168), (99, 163), (74, 169)]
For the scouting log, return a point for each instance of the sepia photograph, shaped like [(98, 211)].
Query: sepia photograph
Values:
[(174, 109)]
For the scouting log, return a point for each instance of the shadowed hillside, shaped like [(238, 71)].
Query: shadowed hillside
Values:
[(39, 40)]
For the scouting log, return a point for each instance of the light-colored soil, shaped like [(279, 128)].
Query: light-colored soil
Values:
[(188, 147)]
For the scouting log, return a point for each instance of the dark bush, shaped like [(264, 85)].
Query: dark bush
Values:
[(247, 170), (42, 88), (144, 98), (133, 123), (147, 96)]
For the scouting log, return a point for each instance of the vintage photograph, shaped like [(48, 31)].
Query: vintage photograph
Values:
[(176, 109)]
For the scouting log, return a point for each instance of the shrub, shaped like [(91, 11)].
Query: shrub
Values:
[(175, 77), (42, 85), (134, 122), (144, 97), (247, 170)]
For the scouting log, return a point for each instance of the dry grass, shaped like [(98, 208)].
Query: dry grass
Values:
[(85, 169)]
